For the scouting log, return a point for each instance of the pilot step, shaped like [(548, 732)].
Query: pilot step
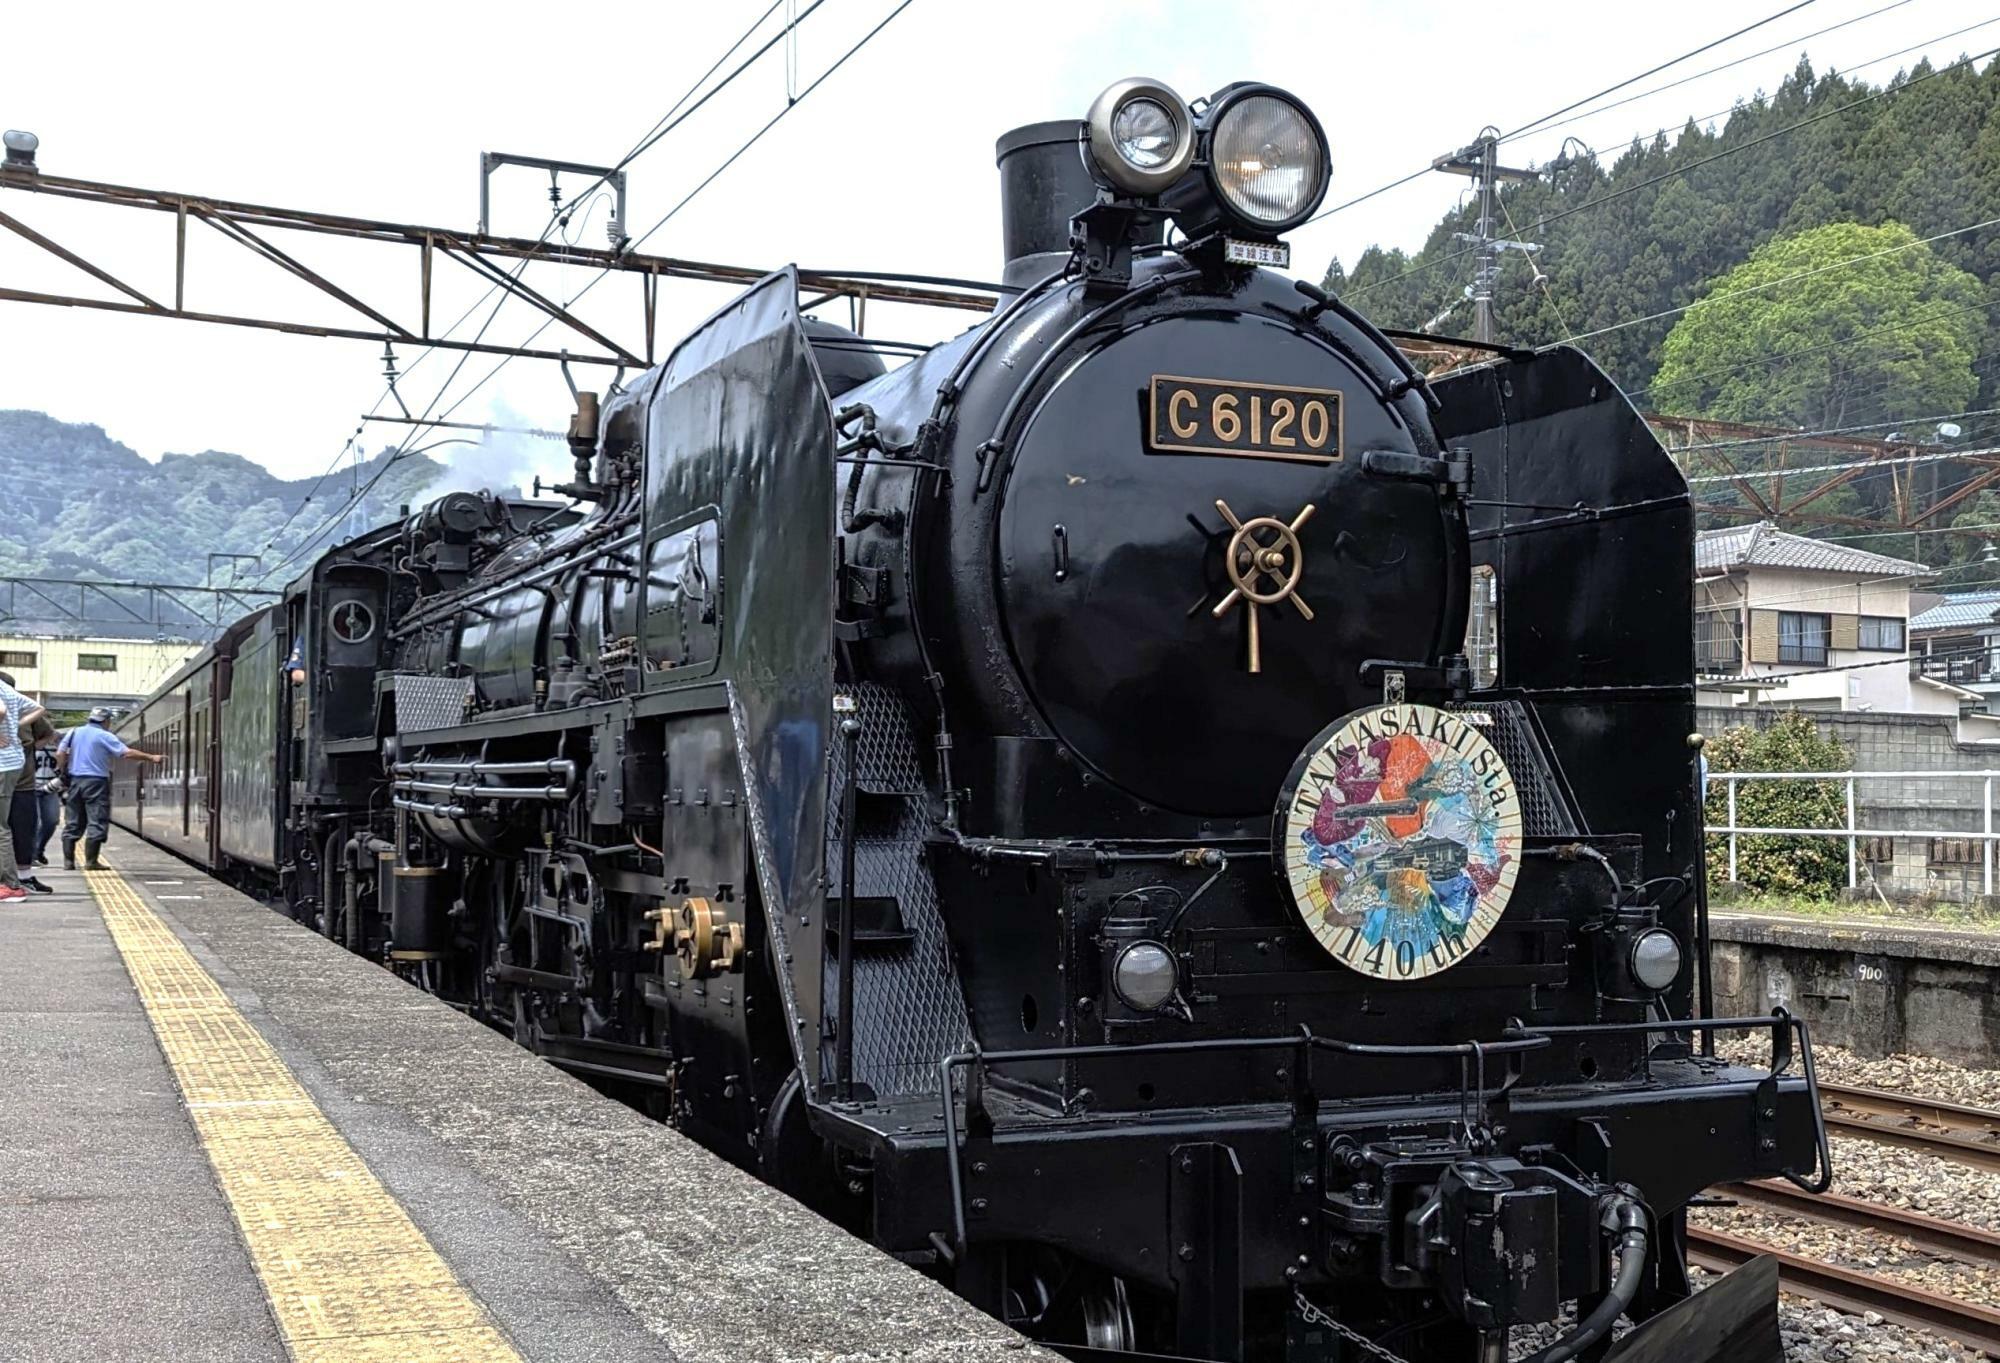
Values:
[(226, 1138)]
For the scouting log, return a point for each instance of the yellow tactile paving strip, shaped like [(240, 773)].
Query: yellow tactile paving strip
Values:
[(349, 1276)]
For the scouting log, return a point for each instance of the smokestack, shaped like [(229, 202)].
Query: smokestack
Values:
[(1043, 184)]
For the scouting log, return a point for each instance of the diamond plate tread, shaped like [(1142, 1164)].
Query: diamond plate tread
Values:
[(427, 702), (909, 1008), (349, 1277)]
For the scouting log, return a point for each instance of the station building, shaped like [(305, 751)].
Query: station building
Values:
[(70, 672)]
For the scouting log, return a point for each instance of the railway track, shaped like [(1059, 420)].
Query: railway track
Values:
[(1975, 1326), (1964, 1135), (1949, 1131)]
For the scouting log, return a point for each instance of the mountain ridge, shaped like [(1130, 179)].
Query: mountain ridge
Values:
[(96, 509)]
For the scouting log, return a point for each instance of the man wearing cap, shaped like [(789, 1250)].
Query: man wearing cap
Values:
[(86, 754)]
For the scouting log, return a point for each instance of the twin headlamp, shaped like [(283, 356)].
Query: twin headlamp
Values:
[(1253, 160)]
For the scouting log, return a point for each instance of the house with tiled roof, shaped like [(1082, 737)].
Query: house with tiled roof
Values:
[(1781, 619), (1957, 640)]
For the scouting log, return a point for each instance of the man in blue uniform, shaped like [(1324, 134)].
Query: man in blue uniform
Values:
[(86, 754)]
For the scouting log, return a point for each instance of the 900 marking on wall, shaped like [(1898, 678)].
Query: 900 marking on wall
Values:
[(1254, 420)]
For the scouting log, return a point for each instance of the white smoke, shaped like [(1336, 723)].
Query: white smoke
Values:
[(503, 460)]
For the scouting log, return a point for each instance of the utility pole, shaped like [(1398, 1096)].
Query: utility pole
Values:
[(1480, 162)]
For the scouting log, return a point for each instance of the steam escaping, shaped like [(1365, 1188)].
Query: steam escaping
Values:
[(504, 461)]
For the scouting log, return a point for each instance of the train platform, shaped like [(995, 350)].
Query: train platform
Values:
[(1877, 986), (225, 1138)]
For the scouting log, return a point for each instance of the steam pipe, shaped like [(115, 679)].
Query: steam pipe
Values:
[(570, 554), (554, 766), (351, 853), (552, 794), (436, 811), (329, 866), (531, 979)]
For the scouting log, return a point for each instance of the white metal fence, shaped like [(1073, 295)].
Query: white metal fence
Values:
[(1850, 830)]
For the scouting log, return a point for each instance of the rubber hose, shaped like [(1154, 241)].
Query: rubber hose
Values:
[(1624, 1287)]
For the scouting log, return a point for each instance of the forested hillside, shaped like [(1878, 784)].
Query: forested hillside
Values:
[(1634, 231), (82, 505)]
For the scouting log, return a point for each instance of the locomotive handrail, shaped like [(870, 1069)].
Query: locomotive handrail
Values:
[(1518, 1038), (994, 449), (553, 766), (1778, 1023), (548, 793), (1304, 1042)]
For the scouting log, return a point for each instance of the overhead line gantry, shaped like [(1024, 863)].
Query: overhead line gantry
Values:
[(252, 227)]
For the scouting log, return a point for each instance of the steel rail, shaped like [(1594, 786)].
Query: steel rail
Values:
[(1972, 1325), (1949, 1239), (1952, 1131)]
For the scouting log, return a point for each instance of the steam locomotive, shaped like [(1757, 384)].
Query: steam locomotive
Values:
[(1154, 811)]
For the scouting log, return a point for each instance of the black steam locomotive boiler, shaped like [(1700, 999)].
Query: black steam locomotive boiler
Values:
[(1154, 810)]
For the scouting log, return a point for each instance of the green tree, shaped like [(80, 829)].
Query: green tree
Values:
[(1646, 227), (1811, 868), (1826, 328), (1961, 560)]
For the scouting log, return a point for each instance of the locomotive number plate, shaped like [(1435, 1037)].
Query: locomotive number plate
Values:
[(1254, 420)]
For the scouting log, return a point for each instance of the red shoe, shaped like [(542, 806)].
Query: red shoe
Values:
[(8, 892)]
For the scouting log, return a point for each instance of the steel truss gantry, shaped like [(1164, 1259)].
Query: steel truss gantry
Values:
[(256, 228)]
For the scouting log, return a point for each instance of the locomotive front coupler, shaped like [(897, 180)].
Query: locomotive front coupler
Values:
[(1504, 1239)]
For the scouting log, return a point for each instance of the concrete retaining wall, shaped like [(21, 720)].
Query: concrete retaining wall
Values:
[(1878, 991)]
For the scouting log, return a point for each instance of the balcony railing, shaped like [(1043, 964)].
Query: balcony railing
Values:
[(1959, 670)]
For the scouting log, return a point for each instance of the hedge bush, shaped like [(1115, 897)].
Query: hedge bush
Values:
[(1811, 868)]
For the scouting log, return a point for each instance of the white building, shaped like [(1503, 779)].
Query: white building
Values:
[(1781, 619)]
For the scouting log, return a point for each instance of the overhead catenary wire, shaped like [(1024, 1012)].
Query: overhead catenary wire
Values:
[(676, 116), (361, 492), (1736, 104), (557, 219), (1829, 430), (1545, 220), (712, 176), (1540, 126), (1905, 659), (1953, 528), (1654, 71), (1425, 170)]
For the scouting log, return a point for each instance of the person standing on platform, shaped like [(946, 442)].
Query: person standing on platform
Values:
[(85, 756), (20, 711), (32, 818), (48, 791)]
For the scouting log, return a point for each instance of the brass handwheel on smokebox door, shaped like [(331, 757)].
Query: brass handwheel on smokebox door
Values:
[(1248, 560)]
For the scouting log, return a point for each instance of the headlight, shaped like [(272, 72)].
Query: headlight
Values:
[(1656, 958), (1145, 976), (1267, 158), (1141, 136)]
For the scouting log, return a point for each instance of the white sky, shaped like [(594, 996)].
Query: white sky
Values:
[(381, 110)]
